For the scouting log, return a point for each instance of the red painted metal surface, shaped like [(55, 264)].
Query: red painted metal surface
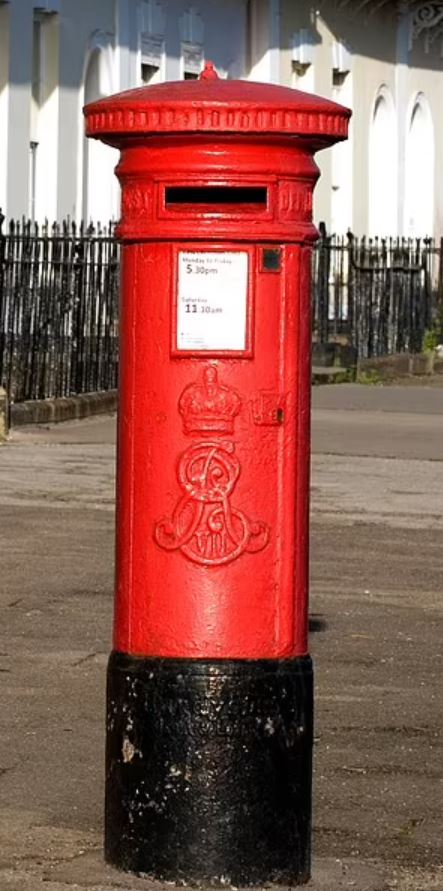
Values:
[(213, 445)]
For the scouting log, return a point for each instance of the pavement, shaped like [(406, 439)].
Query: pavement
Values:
[(376, 638)]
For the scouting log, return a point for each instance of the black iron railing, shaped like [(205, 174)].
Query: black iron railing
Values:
[(379, 295), (59, 302), (58, 310)]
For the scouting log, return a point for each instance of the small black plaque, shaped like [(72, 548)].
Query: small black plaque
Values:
[(271, 260)]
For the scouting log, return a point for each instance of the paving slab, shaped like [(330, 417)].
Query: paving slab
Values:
[(376, 636), (413, 398)]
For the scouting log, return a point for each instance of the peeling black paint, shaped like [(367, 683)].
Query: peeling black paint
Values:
[(209, 764)]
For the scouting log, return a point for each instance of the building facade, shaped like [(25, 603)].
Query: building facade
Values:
[(57, 55), (383, 59)]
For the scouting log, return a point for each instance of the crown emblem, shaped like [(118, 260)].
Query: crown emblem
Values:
[(209, 406)]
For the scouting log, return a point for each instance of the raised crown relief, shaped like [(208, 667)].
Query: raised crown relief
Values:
[(209, 406)]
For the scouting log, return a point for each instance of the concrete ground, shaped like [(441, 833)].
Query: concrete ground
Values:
[(376, 622)]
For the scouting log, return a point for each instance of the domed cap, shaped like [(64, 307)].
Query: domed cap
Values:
[(213, 105)]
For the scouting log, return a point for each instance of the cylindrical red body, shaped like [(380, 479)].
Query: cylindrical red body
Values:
[(226, 589), (210, 684)]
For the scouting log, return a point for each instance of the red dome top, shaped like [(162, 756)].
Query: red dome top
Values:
[(213, 105)]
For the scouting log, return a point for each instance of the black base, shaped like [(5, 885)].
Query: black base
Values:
[(208, 774)]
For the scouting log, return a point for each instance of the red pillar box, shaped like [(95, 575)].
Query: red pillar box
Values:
[(209, 728)]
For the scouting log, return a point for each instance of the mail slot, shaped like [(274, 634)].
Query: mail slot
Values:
[(209, 735), (217, 196)]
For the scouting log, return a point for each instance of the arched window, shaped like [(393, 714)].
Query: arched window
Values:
[(419, 171), (383, 167), (99, 190)]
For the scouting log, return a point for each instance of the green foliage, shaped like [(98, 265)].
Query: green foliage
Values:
[(431, 340), (370, 377), (347, 376)]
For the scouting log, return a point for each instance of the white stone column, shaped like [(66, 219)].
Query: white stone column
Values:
[(323, 87), (173, 42), (401, 104), (21, 17), (264, 41), (4, 102), (47, 123), (126, 44), (274, 41)]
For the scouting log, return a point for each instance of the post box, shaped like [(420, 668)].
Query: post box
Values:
[(209, 703)]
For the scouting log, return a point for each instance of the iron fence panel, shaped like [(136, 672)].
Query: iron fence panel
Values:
[(59, 302), (58, 310), (379, 295)]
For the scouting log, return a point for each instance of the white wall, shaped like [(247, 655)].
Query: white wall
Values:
[(90, 49), (383, 154), (99, 200), (4, 101), (264, 41), (341, 165), (419, 170), (82, 27), (46, 185), (19, 107), (363, 182)]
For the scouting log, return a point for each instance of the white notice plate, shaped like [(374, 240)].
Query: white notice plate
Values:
[(212, 300)]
